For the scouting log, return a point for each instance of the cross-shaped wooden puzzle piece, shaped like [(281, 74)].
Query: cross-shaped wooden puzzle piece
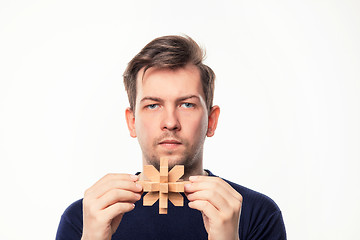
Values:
[(163, 185)]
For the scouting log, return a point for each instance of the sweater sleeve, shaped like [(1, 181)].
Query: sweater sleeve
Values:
[(70, 226), (271, 228), (260, 218)]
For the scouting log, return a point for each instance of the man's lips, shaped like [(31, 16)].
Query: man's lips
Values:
[(170, 144), (169, 141)]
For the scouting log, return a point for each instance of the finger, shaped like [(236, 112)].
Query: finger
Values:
[(116, 195), (113, 182), (123, 185), (116, 177), (214, 187), (116, 209), (214, 190), (219, 201), (206, 182), (206, 208)]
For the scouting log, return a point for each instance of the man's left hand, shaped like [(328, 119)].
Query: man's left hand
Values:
[(219, 204)]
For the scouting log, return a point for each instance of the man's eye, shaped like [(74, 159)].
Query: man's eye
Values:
[(187, 105), (152, 106)]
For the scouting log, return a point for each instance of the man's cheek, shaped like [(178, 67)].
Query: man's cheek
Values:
[(200, 126), (142, 125)]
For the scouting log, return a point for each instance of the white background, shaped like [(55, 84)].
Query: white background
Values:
[(288, 84)]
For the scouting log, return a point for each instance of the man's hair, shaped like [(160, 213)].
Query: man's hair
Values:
[(169, 52)]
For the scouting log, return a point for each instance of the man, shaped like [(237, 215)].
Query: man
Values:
[(171, 92)]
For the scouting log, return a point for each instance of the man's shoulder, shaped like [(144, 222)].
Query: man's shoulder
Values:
[(70, 226), (252, 199), (260, 218), (74, 209)]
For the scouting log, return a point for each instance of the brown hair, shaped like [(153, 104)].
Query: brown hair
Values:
[(171, 52)]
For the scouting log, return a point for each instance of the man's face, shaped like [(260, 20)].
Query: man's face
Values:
[(171, 117)]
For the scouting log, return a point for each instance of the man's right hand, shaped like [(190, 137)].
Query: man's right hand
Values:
[(105, 203)]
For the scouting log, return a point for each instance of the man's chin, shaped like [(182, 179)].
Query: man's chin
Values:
[(172, 161)]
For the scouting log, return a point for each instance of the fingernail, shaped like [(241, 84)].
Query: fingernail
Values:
[(138, 186), (186, 186), (134, 177), (193, 178)]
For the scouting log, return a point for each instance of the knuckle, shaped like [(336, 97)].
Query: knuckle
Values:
[(218, 180), (211, 194), (91, 209), (86, 192), (238, 207), (109, 175), (222, 219), (86, 203), (239, 202), (239, 197), (226, 217), (205, 204), (97, 218)]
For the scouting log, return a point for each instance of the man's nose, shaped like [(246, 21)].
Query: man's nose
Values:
[(170, 121)]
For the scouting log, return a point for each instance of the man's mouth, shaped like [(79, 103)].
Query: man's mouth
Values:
[(170, 143)]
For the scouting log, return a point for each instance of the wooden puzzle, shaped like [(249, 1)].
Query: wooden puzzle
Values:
[(163, 185)]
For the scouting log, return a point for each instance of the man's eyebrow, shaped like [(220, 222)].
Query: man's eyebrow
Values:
[(188, 97), (155, 99)]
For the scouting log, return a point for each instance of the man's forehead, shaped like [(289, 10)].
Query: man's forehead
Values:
[(181, 81), (189, 68)]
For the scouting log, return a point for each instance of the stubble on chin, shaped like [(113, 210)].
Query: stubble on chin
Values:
[(184, 159), (189, 158)]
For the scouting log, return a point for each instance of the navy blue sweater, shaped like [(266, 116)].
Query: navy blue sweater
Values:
[(260, 219)]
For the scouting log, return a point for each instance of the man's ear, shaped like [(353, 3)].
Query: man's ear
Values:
[(213, 120), (130, 120)]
